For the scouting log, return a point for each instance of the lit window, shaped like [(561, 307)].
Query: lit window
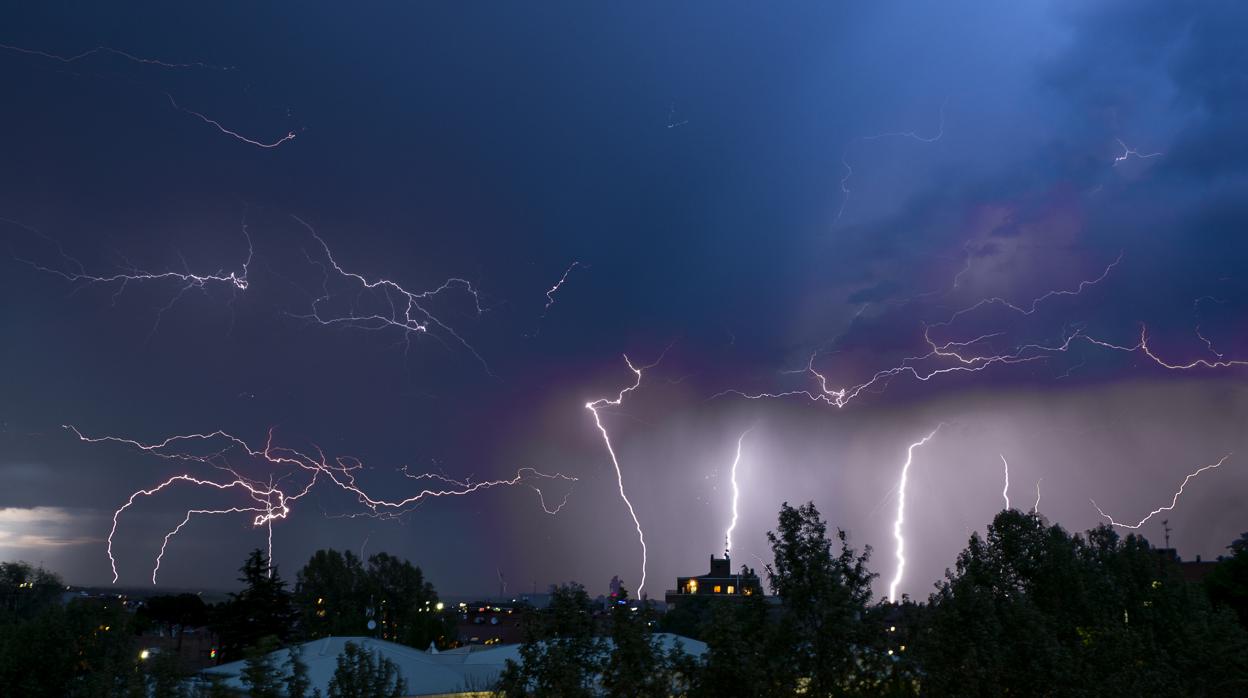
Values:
[(732, 589), (748, 591), (692, 586), (718, 589)]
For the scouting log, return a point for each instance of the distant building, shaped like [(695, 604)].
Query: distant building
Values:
[(721, 581)]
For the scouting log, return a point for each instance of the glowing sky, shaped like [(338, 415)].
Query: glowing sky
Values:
[(732, 186)]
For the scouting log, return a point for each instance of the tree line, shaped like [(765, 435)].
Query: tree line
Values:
[(1028, 610), (88, 646)]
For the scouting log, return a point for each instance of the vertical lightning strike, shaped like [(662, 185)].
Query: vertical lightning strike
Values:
[(1173, 501), (1035, 508), (593, 407), (736, 493), (290, 135), (1005, 492), (901, 514)]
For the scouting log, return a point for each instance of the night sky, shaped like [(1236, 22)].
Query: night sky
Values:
[(741, 186)]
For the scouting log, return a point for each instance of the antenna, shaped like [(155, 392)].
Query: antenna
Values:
[(1165, 526)]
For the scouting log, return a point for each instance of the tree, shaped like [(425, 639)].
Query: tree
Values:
[(297, 681), (330, 592), (1227, 584), (362, 674), (25, 591), (825, 602), (560, 655), (403, 601), (636, 664), (1031, 609), (739, 660), (263, 608), (175, 613), (260, 673)]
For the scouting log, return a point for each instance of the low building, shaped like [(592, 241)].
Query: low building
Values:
[(464, 672), (720, 581)]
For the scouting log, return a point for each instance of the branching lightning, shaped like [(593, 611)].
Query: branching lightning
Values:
[(272, 500), (912, 135), (111, 51), (594, 407), (1173, 500), (1128, 153), (901, 514), (398, 308)]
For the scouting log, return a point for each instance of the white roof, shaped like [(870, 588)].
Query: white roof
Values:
[(470, 668)]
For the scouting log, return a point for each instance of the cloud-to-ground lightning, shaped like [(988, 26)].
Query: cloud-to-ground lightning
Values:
[(1035, 508), (1005, 491), (1174, 501), (901, 514), (594, 406), (736, 494), (272, 500), (290, 135)]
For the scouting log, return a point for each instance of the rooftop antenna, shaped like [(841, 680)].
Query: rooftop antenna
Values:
[(725, 547), (1165, 524)]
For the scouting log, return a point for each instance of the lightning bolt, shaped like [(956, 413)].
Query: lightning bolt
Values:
[(593, 407), (400, 309), (270, 502), (736, 493), (290, 135), (1173, 501), (1128, 153), (1035, 508), (901, 514), (1005, 492), (912, 135), (111, 51)]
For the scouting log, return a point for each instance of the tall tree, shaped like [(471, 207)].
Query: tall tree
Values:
[(825, 599), (560, 655), (1032, 610), (739, 659), (260, 674), (263, 608), (331, 594), (1227, 584), (404, 602), (636, 663)]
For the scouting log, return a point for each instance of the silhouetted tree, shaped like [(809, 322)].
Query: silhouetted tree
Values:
[(1032, 610), (331, 593), (560, 655), (1227, 584), (636, 663), (297, 681), (260, 674), (740, 655), (362, 674), (825, 597), (263, 608)]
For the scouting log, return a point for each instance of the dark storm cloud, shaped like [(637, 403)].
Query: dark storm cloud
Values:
[(500, 146)]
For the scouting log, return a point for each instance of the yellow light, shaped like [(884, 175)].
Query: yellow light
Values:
[(717, 588), (903, 648), (731, 589), (890, 653), (144, 654), (892, 628), (440, 606)]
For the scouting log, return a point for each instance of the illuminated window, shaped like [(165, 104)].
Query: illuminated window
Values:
[(732, 589), (748, 591), (718, 589), (692, 586)]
